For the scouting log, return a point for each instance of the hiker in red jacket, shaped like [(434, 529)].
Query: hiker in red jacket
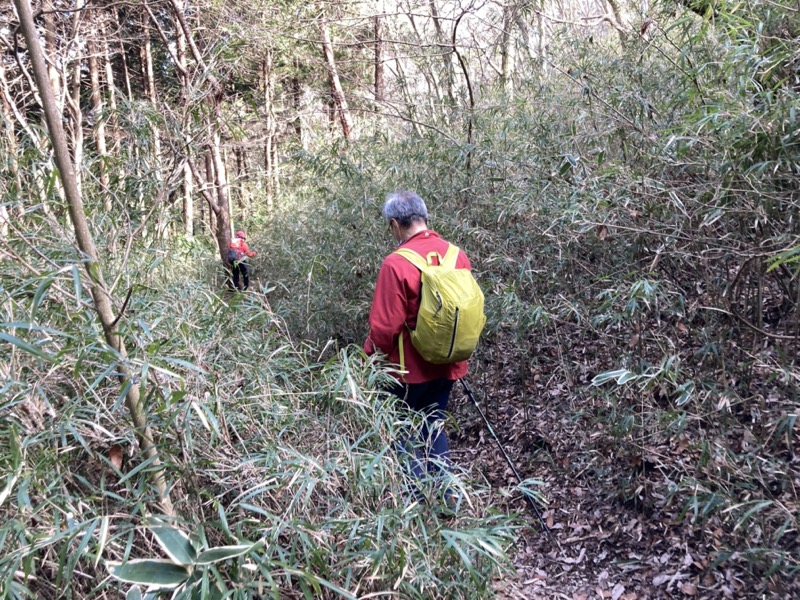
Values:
[(238, 253), (424, 386)]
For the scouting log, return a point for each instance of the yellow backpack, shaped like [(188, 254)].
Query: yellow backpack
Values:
[(450, 317)]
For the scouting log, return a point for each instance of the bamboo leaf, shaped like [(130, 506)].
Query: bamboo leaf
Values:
[(159, 572), (222, 553), (174, 542), (135, 593), (607, 376), (25, 346)]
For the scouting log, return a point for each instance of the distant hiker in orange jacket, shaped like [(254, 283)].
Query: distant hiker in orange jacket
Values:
[(238, 253)]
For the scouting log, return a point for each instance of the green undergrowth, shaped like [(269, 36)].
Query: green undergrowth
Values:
[(279, 454), (632, 219)]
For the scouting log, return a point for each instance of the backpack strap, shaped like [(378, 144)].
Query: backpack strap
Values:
[(412, 257), (448, 260)]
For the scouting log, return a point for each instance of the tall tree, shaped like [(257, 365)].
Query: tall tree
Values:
[(99, 116), (74, 100), (11, 150), (445, 49), (378, 33), (342, 111), (101, 296), (271, 129), (215, 179), (507, 49), (188, 183)]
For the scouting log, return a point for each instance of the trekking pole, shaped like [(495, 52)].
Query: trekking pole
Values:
[(531, 503)]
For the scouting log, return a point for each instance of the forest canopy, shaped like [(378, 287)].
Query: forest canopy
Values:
[(624, 177)]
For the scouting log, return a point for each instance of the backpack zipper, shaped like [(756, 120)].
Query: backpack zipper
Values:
[(453, 340), (438, 299)]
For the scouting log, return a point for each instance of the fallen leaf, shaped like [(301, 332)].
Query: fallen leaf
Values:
[(618, 590), (602, 232), (662, 579), (115, 456), (575, 561), (688, 588)]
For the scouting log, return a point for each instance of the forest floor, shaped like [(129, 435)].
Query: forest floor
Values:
[(614, 530)]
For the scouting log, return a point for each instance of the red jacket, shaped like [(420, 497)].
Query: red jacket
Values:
[(240, 246), (395, 305)]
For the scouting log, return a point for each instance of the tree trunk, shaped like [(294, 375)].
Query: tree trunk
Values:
[(126, 73), (100, 295), (337, 93), (379, 87), (11, 150), (188, 183), (74, 101), (150, 86), (617, 21), (218, 204), (297, 101), (51, 43), (542, 41), (270, 166), (507, 50), (112, 94), (447, 52), (434, 88), (100, 128)]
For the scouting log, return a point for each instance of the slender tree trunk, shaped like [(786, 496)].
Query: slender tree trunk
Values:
[(410, 103), (270, 168), (150, 85), (618, 23), (209, 176), (541, 29), (100, 127), (447, 52), (75, 105), (507, 50), (379, 87), (219, 206), (337, 93), (188, 201), (11, 149), (188, 182), (434, 88), (51, 45), (123, 55), (297, 101), (112, 94), (98, 289)]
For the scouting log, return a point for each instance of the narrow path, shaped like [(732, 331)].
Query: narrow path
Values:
[(615, 532)]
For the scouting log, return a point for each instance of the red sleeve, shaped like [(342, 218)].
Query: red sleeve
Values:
[(388, 313), (245, 249)]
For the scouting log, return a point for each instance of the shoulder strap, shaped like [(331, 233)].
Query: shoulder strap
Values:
[(412, 257), (448, 260)]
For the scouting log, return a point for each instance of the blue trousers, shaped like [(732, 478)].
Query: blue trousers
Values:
[(427, 450)]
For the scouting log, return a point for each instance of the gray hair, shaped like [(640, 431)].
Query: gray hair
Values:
[(405, 207)]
